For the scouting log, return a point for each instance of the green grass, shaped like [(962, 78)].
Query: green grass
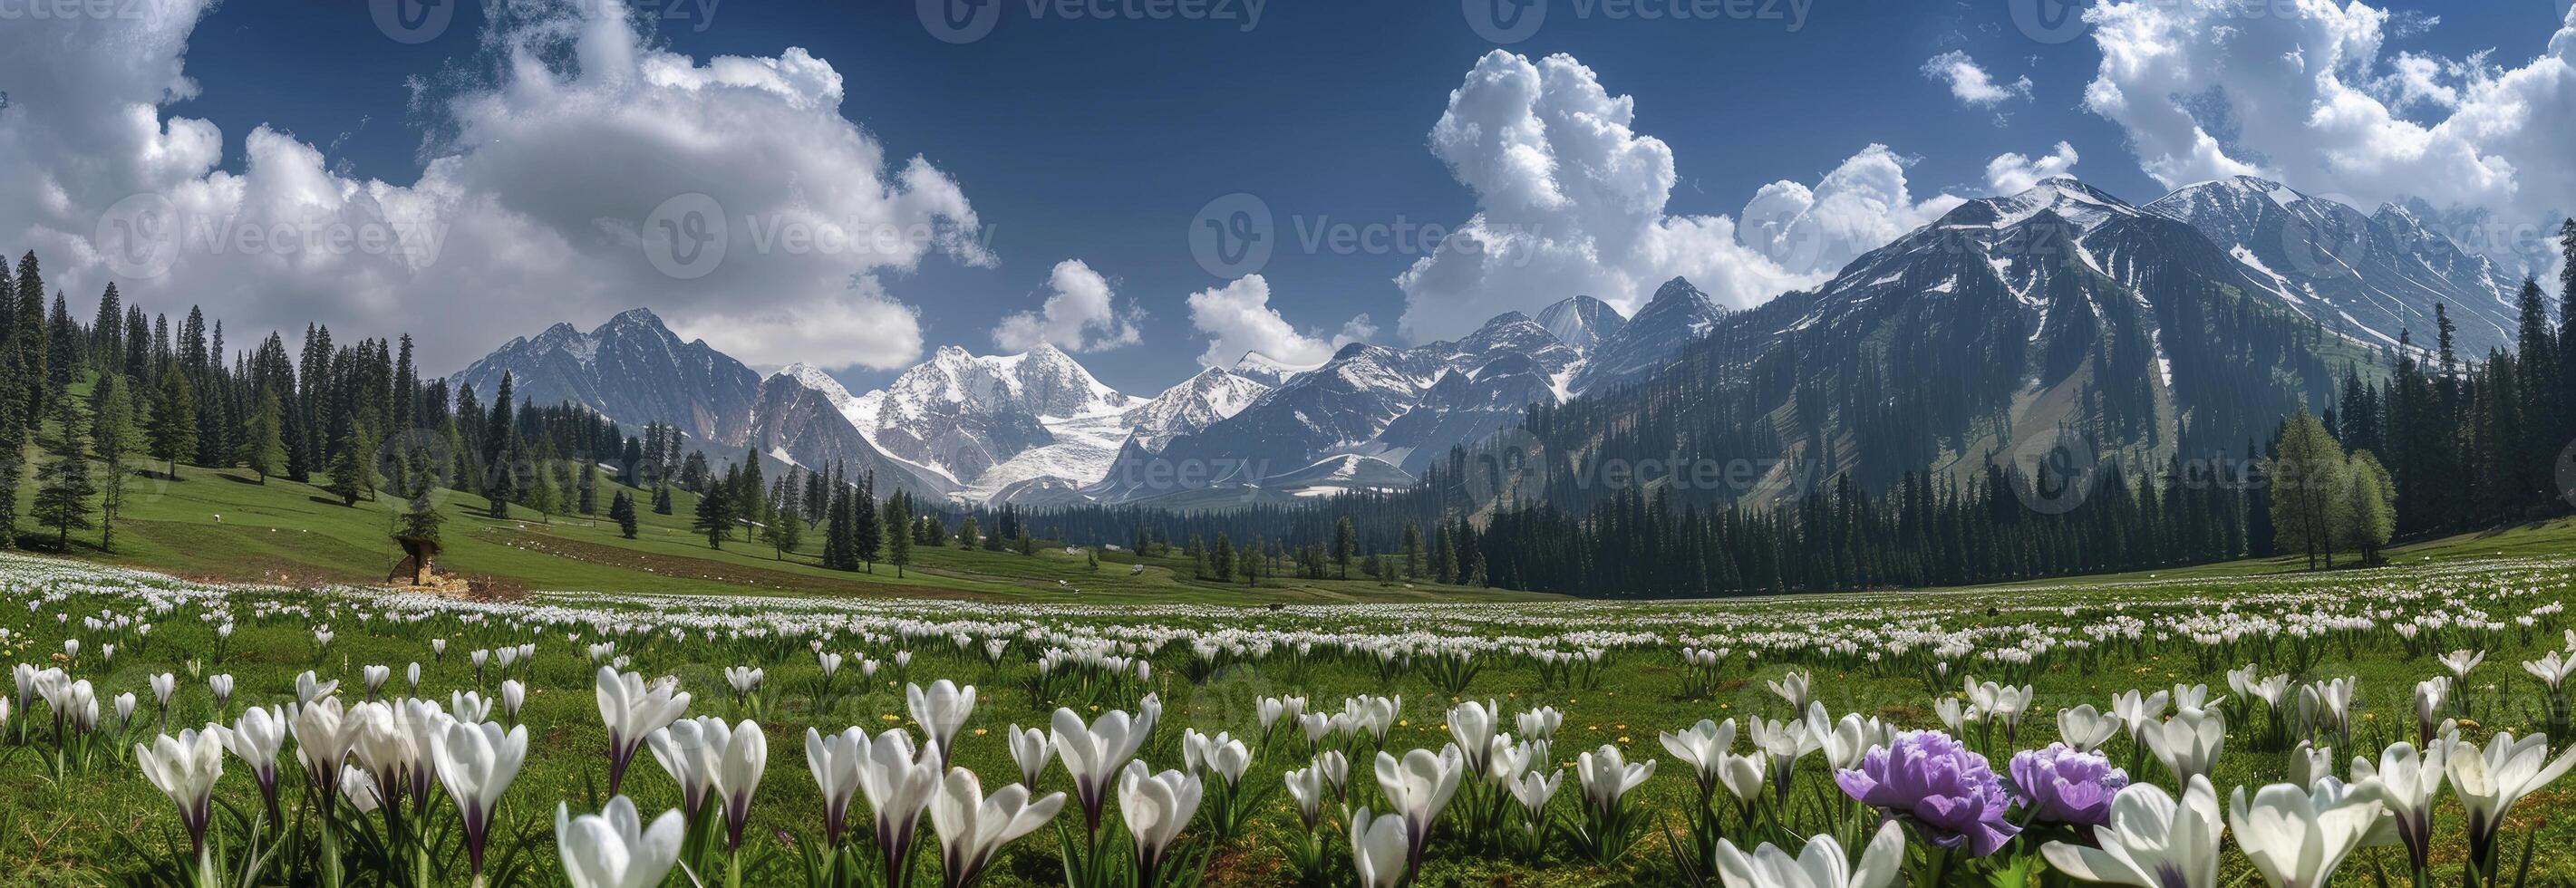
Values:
[(223, 524), (69, 832)]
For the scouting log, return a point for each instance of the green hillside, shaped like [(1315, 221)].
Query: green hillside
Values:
[(224, 525)]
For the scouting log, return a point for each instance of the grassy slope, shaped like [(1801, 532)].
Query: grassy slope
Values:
[(296, 533)]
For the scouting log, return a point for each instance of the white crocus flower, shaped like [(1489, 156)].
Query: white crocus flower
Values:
[(2409, 784), (2188, 743), (1540, 723), (1845, 742), (1701, 748), (834, 761), (738, 776), (2432, 699), (323, 735), (1419, 786), (2461, 662), (1534, 790), (2140, 712), (633, 710), (185, 769), (256, 738), (1606, 777), (1031, 750), (2310, 763), (1094, 754), (2296, 838), (972, 827), (1821, 864), (1156, 808), (1306, 792), (898, 783), (1472, 726), (942, 709), (1795, 687), (2086, 729), (476, 763), (2152, 841), (1379, 846), (690, 750), (2490, 780), (615, 849), (2552, 669)]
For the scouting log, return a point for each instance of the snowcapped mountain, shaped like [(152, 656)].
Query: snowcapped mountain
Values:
[(959, 415), (2061, 307), (1196, 403), (633, 370), (1678, 315), (1581, 322), (803, 417), (1401, 408), (2369, 276), (1267, 370)]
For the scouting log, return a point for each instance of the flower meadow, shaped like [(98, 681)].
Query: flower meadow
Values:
[(2394, 726)]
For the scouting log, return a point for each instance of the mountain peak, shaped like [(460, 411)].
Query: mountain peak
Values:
[(1509, 317), (1675, 289), (637, 316)]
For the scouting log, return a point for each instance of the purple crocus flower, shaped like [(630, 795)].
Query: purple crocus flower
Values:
[(2061, 785), (1927, 778)]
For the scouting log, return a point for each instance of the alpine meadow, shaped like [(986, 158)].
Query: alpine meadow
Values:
[(1168, 444)]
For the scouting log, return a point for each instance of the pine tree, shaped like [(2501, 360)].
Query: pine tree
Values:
[(112, 431), (785, 531), (419, 525), (266, 437), (867, 533), (63, 486), (543, 495), (174, 422), (1221, 564), (346, 469), (898, 543), (715, 516), (621, 509), (1412, 551), (588, 491), (967, 535), (662, 498), (1345, 546)]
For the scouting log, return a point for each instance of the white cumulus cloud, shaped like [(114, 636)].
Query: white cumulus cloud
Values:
[(1969, 82), (2012, 173), (1571, 200), (1080, 315), (1237, 319), (537, 203), (2308, 97)]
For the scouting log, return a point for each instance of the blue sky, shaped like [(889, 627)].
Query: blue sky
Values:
[(1100, 139)]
